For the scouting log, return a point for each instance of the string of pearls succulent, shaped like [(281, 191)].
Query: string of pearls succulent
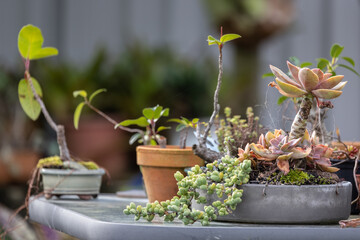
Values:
[(222, 177)]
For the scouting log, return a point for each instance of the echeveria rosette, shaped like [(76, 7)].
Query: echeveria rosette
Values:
[(307, 81), (277, 146)]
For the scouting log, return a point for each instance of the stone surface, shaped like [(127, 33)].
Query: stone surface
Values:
[(102, 218)]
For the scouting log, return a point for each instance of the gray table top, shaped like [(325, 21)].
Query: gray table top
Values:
[(102, 218)]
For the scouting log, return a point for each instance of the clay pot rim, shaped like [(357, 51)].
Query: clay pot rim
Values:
[(170, 149)]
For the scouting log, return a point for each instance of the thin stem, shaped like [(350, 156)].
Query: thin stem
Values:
[(216, 100), (111, 120), (59, 129)]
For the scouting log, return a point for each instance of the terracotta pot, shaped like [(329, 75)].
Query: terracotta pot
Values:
[(18, 168), (96, 140), (158, 166), (341, 146)]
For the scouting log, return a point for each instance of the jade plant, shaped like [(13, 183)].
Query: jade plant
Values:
[(223, 177), (147, 136), (30, 41)]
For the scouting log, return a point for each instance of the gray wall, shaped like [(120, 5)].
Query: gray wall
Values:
[(78, 27)]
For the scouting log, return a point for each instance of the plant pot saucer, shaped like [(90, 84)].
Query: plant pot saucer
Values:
[(83, 183)]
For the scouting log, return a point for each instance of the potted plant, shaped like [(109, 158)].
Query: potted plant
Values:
[(158, 162), (60, 174), (278, 167)]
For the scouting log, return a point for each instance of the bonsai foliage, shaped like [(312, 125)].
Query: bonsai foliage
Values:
[(183, 127), (222, 177), (201, 150), (149, 136), (30, 41), (233, 132), (307, 84)]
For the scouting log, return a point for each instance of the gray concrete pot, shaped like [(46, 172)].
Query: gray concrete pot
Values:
[(289, 204), (59, 182)]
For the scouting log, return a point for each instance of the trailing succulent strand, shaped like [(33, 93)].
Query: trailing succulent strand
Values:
[(222, 177)]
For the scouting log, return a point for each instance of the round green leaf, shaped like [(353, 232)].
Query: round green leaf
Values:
[(30, 41), (77, 114), (148, 113), (27, 99), (157, 112), (336, 50)]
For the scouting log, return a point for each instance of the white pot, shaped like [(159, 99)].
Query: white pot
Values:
[(58, 182)]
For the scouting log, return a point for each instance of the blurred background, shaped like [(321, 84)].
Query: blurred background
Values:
[(155, 52)]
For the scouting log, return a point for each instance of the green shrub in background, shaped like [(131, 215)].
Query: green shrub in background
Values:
[(139, 77)]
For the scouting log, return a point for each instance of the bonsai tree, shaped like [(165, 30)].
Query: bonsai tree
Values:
[(30, 41), (201, 150)]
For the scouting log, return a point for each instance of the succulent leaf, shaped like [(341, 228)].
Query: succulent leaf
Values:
[(330, 82), (294, 70), (340, 86), (327, 93), (308, 78), (282, 76), (319, 73), (289, 89)]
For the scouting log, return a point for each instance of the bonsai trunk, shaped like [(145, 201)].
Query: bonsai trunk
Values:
[(201, 150), (298, 126), (59, 129)]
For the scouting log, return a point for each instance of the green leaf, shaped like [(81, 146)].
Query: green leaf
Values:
[(336, 50), (162, 128), (295, 61), (77, 114), (82, 93), (195, 120), (181, 127), (96, 93), (157, 112), (305, 64), (229, 37), (322, 63), (141, 122), (177, 120), (281, 100), (30, 41), (349, 68), (134, 138), (27, 99), (349, 60), (165, 112), (149, 113), (153, 142), (211, 40), (265, 75)]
